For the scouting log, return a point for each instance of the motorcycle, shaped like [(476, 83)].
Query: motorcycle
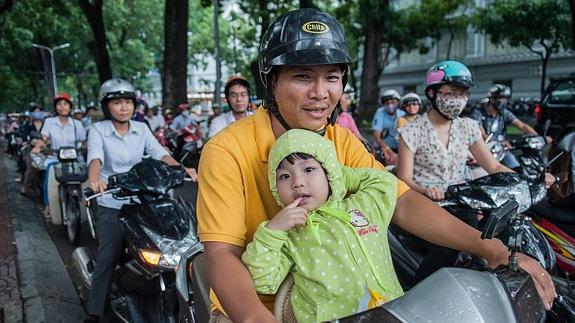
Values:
[(529, 152), (70, 173), (152, 283), (506, 294)]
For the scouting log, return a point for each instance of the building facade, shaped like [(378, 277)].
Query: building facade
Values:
[(516, 67)]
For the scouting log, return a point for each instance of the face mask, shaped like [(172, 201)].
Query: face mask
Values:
[(186, 113), (39, 115), (450, 107), (500, 105), (390, 108)]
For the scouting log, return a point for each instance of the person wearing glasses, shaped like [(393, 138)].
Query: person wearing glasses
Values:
[(237, 92)]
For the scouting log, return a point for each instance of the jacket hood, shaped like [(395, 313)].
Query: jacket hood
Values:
[(308, 142)]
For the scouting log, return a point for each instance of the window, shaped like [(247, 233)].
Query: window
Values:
[(475, 43)]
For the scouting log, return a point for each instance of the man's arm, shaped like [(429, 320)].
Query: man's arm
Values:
[(525, 128), (428, 221), (237, 294)]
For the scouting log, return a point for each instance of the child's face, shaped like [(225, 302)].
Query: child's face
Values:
[(304, 178)]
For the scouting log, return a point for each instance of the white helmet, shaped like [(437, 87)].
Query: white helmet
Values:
[(390, 94), (410, 97)]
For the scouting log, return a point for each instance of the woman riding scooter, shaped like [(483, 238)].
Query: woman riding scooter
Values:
[(114, 146), (60, 131)]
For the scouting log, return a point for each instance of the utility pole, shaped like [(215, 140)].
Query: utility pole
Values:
[(217, 92)]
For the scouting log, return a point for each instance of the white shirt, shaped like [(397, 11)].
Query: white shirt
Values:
[(60, 135), (119, 153), (156, 122), (222, 121)]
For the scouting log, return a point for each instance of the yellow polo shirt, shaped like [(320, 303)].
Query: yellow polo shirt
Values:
[(234, 195)]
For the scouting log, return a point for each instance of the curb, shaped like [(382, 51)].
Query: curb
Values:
[(47, 291)]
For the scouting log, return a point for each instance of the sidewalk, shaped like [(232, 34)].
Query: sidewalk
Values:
[(34, 282)]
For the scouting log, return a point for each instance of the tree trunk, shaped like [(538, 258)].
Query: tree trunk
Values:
[(93, 13), (175, 53), (449, 43), (572, 7), (371, 70)]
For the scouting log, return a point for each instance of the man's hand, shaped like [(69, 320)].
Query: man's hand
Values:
[(288, 217), (541, 278), (391, 158), (191, 172), (549, 180), (435, 193)]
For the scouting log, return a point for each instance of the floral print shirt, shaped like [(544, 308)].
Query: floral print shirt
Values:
[(434, 164)]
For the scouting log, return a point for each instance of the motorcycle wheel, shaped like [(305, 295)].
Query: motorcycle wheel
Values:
[(73, 220)]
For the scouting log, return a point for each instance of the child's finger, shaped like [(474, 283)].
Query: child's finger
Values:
[(294, 203)]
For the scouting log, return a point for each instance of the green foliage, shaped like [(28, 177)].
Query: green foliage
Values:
[(134, 30), (525, 22), (432, 18)]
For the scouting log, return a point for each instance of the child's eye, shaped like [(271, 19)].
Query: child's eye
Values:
[(283, 176), (309, 169)]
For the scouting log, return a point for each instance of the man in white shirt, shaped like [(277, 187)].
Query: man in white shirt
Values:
[(237, 92)]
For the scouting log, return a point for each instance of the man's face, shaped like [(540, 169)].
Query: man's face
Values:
[(307, 95), (238, 98), (304, 178), (121, 109)]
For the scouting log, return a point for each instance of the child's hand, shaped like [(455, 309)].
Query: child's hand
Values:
[(288, 217)]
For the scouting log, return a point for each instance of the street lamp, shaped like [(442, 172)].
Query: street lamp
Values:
[(51, 52)]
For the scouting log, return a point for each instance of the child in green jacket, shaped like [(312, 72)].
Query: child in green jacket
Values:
[(334, 246)]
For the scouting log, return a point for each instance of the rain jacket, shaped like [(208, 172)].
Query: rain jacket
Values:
[(340, 259)]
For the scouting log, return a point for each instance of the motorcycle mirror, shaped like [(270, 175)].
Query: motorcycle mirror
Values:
[(546, 127), (499, 218), (566, 144)]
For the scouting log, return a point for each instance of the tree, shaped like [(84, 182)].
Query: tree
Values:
[(175, 52), (572, 10), (432, 18), (93, 13), (539, 25)]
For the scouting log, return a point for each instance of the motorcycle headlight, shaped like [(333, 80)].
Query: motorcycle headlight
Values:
[(67, 153), (170, 250), (536, 142)]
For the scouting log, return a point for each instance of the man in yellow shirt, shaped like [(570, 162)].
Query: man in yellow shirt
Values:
[(304, 62)]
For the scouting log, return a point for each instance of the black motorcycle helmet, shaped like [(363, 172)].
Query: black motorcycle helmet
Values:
[(298, 38), (114, 89)]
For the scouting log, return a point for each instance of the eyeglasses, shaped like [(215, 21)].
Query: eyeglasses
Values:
[(453, 94), (235, 95)]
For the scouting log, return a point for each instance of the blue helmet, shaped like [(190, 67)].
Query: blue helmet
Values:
[(448, 72)]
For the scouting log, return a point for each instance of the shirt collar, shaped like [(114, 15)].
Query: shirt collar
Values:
[(110, 129), (264, 135)]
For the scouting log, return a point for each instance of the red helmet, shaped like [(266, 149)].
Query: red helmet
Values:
[(62, 96)]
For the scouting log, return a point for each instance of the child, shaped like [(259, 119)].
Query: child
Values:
[(335, 246)]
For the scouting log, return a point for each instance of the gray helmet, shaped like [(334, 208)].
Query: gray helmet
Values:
[(498, 91), (389, 95), (114, 89)]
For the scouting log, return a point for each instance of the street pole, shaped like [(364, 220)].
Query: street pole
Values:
[(217, 92), (52, 63)]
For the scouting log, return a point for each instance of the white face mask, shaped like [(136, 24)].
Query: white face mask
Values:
[(450, 107)]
